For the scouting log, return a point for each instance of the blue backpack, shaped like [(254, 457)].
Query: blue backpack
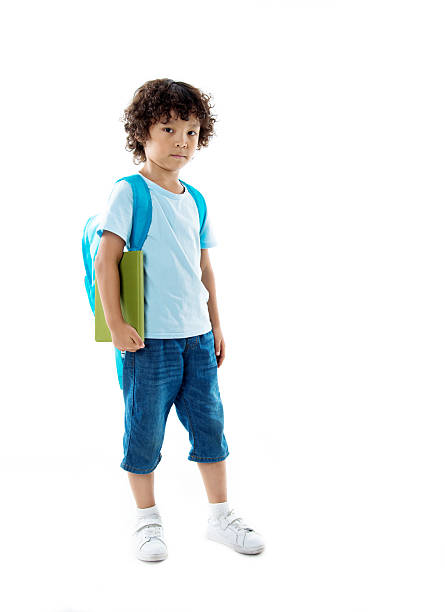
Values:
[(142, 211)]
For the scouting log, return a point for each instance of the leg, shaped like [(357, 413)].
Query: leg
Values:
[(151, 379), (200, 410), (215, 480), (142, 486)]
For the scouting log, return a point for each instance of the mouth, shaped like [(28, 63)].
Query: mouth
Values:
[(179, 156)]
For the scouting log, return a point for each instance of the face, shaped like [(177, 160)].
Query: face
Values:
[(171, 137)]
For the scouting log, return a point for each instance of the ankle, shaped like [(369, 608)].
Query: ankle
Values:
[(146, 512), (218, 509)]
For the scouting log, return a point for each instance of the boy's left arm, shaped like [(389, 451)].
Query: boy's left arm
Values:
[(208, 280)]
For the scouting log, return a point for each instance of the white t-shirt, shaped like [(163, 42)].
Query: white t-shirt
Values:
[(175, 297)]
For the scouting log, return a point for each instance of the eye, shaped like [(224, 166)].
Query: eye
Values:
[(168, 128)]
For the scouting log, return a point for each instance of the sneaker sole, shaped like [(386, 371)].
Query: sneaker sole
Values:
[(252, 551), (154, 557)]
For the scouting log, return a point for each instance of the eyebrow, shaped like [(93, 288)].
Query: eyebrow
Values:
[(195, 124)]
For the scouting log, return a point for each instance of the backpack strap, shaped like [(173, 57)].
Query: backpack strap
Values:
[(142, 210), (200, 203)]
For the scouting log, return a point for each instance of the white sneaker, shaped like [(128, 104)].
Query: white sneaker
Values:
[(230, 529), (148, 539)]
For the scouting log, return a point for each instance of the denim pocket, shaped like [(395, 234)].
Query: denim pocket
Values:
[(208, 337)]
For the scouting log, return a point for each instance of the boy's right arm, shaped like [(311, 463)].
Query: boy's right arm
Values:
[(106, 266)]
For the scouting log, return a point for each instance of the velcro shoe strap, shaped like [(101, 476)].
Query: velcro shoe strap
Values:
[(228, 520), (154, 527)]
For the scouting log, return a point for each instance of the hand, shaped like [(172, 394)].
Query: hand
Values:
[(126, 338), (220, 346)]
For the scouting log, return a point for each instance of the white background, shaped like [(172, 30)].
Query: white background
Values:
[(325, 186)]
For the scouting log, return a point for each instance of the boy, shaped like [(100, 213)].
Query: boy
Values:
[(177, 361)]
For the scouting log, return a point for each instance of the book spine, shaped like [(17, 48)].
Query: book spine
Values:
[(141, 294)]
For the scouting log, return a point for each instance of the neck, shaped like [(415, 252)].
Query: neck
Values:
[(165, 178)]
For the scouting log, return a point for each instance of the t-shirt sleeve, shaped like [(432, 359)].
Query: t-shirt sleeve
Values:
[(207, 235), (117, 217)]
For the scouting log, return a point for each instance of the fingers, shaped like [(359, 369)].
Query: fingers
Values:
[(137, 344), (221, 354)]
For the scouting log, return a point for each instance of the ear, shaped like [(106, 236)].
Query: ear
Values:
[(145, 136)]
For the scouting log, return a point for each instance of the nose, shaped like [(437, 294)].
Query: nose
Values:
[(182, 141)]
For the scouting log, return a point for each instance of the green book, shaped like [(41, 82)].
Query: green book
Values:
[(131, 271)]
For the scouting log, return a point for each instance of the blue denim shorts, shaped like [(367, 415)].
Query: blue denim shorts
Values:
[(180, 371)]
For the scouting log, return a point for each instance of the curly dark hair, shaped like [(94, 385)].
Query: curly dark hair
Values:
[(159, 99)]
